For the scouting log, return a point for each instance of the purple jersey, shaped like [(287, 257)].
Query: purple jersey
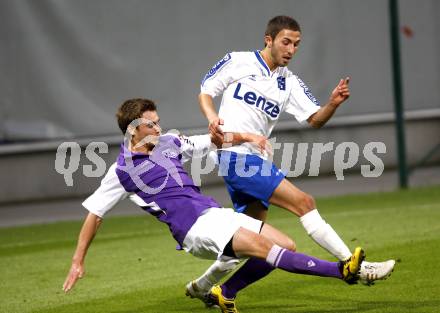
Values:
[(160, 180)]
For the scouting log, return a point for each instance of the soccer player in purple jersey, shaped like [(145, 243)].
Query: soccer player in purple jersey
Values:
[(149, 170)]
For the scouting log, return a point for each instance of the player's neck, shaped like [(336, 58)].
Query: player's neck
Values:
[(145, 148), (265, 54)]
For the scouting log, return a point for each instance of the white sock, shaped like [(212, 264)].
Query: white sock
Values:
[(215, 273), (324, 235)]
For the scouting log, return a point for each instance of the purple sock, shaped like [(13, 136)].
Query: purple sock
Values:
[(295, 262), (253, 270)]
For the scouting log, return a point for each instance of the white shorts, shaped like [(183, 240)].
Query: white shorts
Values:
[(213, 230)]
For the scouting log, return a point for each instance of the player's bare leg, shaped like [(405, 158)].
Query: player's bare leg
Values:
[(291, 198), (272, 246), (265, 246), (287, 196), (252, 270)]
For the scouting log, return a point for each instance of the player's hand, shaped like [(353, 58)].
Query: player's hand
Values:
[(215, 129), (341, 92), (261, 142), (217, 141), (76, 272)]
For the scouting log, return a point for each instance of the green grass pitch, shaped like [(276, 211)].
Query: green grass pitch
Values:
[(132, 265)]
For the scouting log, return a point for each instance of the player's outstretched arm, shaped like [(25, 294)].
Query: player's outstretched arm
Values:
[(338, 95), (208, 109), (88, 231)]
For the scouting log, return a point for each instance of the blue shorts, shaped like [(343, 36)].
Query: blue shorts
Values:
[(248, 178)]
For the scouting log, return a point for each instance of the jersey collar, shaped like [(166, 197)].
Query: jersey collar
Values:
[(262, 62)]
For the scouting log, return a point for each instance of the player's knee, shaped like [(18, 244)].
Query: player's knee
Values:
[(266, 244), (306, 203), (291, 245), (310, 202)]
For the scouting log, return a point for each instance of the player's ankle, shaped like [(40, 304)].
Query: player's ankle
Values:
[(228, 293)]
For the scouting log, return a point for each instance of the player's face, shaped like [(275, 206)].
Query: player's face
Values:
[(150, 126), (284, 46)]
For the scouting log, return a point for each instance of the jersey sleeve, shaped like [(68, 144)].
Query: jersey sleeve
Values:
[(301, 103), (195, 146), (107, 195), (219, 76)]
